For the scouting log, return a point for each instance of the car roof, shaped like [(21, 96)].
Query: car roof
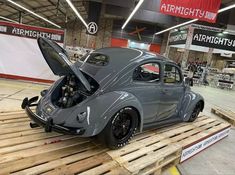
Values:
[(119, 58), (120, 55)]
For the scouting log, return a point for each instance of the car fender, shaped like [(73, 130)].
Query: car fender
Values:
[(104, 106), (189, 102)]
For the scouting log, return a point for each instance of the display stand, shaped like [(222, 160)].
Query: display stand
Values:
[(32, 151)]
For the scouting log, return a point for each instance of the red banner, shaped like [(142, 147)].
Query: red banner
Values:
[(204, 10)]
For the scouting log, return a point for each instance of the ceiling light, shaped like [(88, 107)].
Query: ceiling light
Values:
[(225, 32), (174, 27), (194, 20), (35, 14), (226, 8), (76, 12), (7, 19), (132, 13)]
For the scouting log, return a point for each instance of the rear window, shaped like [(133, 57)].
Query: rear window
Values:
[(96, 59)]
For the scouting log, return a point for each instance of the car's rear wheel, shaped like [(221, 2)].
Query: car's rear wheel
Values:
[(121, 128), (197, 109)]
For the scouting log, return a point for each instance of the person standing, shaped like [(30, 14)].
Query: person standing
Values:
[(190, 75)]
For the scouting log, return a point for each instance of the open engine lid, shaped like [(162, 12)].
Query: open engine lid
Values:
[(57, 59)]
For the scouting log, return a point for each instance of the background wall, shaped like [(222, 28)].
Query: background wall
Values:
[(76, 34)]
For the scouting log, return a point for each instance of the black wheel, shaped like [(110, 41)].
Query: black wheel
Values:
[(195, 112), (121, 128)]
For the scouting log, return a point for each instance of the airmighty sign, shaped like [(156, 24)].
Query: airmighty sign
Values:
[(204, 10), (193, 149), (31, 31), (213, 39)]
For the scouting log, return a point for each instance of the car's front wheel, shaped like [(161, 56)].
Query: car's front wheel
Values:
[(197, 109), (121, 128)]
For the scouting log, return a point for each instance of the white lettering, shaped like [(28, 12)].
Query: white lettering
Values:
[(201, 13), (14, 31), (212, 41), (186, 11), (191, 12), (172, 8), (163, 7), (203, 38), (208, 38), (233, 43), (178, 9), (195, 37), (230, 42), (221, 40), (225, 41), (216, 40), (182, 11), (197, 11)]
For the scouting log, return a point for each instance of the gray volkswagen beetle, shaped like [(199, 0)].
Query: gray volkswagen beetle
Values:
[(112, 93)]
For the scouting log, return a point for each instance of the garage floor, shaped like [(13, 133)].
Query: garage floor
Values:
[(218, 159)]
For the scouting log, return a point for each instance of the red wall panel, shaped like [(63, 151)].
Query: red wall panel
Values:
[(117, 42), (155, 48)]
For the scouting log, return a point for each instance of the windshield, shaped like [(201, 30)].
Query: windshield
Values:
[(95, 59)]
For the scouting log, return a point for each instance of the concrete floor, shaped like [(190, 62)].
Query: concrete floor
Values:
[(218, 159), (13, 92)]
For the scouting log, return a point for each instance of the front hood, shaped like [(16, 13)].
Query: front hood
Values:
[(57, 59)]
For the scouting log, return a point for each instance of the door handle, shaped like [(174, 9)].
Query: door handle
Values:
[(165, 91)]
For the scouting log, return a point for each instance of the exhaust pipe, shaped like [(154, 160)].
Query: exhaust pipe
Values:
[(33, 125)]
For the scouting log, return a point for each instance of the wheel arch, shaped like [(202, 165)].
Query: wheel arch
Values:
[(139, 117), (188, 104), (203, 104), (104, 109)]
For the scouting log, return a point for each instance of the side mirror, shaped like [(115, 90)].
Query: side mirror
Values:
[(44, 92)]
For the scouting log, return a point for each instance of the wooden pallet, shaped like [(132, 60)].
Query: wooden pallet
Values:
[(31, 151), (225, 114)]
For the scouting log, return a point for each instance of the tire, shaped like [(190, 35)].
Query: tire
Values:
[(197, 109), (121, 128)]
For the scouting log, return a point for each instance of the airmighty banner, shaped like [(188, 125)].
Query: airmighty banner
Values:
[(213, 39), (32, 32), (20, 56), (204, 10)]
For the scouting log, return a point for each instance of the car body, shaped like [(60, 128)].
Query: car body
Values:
[(108, 83)]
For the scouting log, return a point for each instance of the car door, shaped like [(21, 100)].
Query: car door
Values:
[(171, 93), (146, 87)]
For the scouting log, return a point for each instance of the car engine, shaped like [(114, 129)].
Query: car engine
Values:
[(70, 93)]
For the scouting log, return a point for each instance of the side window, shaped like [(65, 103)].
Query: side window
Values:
[(149, 72), (171, 74)]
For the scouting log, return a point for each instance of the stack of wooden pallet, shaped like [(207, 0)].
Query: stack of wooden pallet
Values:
[(32, 151), (227, 115)]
